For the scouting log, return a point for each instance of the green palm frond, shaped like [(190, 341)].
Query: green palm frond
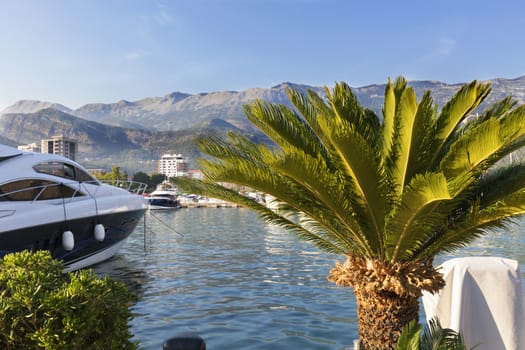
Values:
[(345, 128), (306, 107), (241, 143), (448, 124), (316, 120), (436, 337), (232, 147), (499, 108), (387, 128), (498, 183), (405, 227), (282, 125), (359, 162), (484, 144), (404, 127), (410, 336), (459, 107), (470, 152), (474, 223), (347, 109), (331, 189), (496, 110), (348, 132), (287, 182), (423, 138), (513, 125), (432, 337), (409, 135)]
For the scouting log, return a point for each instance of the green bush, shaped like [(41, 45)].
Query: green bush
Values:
[(43, 308)]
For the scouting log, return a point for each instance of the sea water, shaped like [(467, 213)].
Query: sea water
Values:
[(239, 283)]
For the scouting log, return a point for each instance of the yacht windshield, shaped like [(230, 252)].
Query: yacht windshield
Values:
[(65, 170)]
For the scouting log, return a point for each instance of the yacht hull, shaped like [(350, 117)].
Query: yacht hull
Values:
[(87, 249)]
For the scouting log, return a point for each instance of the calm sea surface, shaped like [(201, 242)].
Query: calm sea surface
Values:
[(242, 284)]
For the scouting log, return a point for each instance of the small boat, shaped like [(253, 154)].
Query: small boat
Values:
[(164, 198), (163, 202), (53, 203)]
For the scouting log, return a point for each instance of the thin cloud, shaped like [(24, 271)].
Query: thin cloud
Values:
[(136, 55), (444, 47), (163, 17), (156, 21)]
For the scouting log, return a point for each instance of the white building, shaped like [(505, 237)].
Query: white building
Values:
[(61, 146), (195, 174), (172, 165), (30, 147)]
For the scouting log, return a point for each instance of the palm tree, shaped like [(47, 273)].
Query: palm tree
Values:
[(389, 195)]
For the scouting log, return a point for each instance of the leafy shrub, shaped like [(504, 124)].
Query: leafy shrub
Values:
[(43, 308)]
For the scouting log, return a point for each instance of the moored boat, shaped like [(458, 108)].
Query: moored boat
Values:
[(53, 203), (163, 202), (164, 197)]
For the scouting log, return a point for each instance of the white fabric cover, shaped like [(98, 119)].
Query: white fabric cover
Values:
[(483, 298)]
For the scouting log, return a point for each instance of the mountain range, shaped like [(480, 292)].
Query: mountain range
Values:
[(134, 134)]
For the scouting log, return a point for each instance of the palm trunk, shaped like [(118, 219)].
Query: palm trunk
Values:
[(387, 295), (381, 316)]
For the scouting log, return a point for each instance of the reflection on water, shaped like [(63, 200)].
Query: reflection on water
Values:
[(241, 284), (235, 281)]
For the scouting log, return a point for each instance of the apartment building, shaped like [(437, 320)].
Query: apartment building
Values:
[(60, 145), (172, 165)]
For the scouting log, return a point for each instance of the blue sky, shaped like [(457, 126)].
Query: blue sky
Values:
[(82, 51)]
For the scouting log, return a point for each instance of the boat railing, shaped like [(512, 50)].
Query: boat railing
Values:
[(43, 192), (66, 190), (134, 187)]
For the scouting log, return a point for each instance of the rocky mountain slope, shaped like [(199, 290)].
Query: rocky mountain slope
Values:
[(178, 111), (101, 145), (136, 133)]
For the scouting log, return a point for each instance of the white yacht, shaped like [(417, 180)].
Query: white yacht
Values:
[(164, 197), (53, 203)]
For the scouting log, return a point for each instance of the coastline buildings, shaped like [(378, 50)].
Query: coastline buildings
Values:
[(30, 147), (171, 165), (60, 145)]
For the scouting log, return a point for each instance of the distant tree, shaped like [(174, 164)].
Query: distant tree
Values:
[(141, 177), (114, 175), (152, 181), (98, 174), (157, 179)]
